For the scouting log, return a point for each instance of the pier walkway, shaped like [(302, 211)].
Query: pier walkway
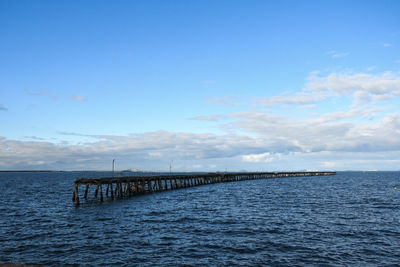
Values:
[(125, 186)]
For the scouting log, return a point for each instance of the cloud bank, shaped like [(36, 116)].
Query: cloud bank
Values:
[(361, 87), (365, 134), (275, 138), (364, 87)]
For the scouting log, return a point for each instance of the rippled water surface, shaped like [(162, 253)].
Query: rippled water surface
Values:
[(352, 218)]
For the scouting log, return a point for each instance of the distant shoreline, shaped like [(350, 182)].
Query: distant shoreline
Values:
[(49, 171), (28, 171), (96, 171)]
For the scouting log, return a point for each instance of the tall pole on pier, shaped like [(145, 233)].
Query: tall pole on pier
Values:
[(170, 166), (113, 167)]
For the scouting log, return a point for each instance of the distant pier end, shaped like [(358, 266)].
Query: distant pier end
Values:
[(120, 187)]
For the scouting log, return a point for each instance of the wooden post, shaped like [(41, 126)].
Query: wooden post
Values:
[(126, 189), (137, 186), (97, 190), (108, 187), (129, 188), (116, 189), (137, 183), (101, 193), (86, 191), (76, 196), (112, 191), (143, 184), (159, 185)]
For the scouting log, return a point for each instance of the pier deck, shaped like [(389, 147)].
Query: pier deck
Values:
[(125, 186)]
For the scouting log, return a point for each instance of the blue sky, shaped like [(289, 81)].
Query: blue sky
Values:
[(209, 85)]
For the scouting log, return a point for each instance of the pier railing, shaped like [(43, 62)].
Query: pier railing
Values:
[(126, 186)]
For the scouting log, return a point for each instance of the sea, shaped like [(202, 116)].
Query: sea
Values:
[(349, 219)]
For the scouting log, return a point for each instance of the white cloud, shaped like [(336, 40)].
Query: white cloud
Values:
[(206, 118), (368, 113), (335, 54), (282, 134), (265, 136), (52, 95), (154, 147), (79, 98), (34, 138), (226, 100), (311, 106), (386, 44), (302, 98), (253, 137), (263, 157), (329, 164), (363, 87), (40, 92)]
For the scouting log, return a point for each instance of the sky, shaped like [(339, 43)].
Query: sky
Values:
[(200, 85)]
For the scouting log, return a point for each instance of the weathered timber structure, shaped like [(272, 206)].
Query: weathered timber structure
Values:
[(125, 186)]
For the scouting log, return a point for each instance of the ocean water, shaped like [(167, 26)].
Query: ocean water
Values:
[(352, 218)]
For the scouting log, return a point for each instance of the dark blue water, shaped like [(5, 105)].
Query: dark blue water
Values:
[(352, 218)]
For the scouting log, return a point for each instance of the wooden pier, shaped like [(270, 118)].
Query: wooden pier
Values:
[(126, 186)]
